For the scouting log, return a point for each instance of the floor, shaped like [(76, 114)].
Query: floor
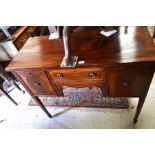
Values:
[(24, 116)]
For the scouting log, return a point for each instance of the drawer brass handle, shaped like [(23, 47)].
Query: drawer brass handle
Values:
[(92, 74), (37, 84), (59, 75), (126, 84)]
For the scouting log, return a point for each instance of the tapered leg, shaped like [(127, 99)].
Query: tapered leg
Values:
[(37, 100), (139, 107), (144, 94), (7, 95)]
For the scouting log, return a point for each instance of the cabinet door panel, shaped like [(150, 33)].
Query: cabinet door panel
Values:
[(37, 82), (127, 81)]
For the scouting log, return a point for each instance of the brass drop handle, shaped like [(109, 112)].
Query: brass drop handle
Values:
[(59, 75), (126, 84), (92, 74), (37, 84)]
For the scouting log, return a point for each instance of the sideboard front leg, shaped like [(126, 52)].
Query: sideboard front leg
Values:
[(144, 94), (36, 99), (139, 107)]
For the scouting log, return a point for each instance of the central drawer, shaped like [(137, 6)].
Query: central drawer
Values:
[(78, 73)]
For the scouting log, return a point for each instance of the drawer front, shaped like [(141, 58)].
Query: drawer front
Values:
[(127, 82), (30, 30), (18, 45), (80, 84), (77, 73), (37, 82)]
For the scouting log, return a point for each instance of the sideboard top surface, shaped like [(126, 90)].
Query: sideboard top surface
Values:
[(133, 45)]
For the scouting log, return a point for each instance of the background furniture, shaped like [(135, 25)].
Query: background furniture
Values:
[(121, 65), (9, 80), (20, 34), (6, 94), (7, 51), (9, 47)]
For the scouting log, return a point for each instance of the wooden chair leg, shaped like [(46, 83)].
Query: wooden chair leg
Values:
[(126, 29), (4, 75), (8, 96), (16, 85)]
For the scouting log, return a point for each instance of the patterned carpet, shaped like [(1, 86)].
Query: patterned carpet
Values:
[(83, 97)]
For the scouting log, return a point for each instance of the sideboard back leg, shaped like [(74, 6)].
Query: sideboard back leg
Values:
[(144, 94), (36, 99)]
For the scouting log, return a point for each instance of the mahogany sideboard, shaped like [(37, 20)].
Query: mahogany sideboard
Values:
[(121, 65)]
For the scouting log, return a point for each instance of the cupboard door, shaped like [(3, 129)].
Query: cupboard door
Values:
[(128, 81), (37, 82)]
